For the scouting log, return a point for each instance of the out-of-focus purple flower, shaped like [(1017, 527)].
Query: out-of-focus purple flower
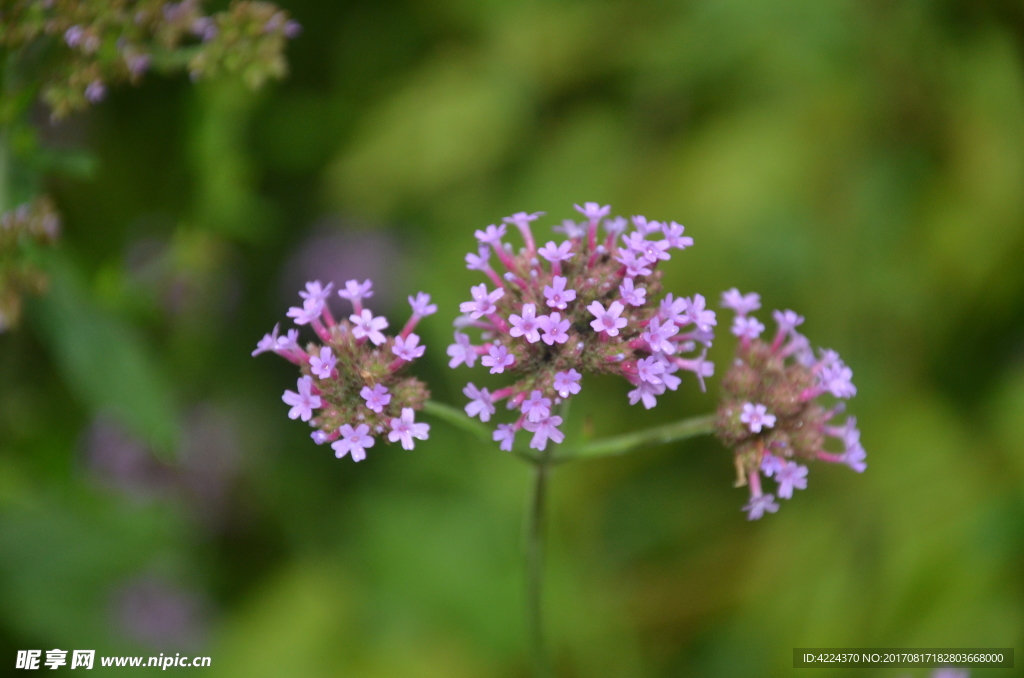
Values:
[(659, 336), (421, 305), (543, 430), (407, 348), (307, 313), (758, 506), (756, 417), (95, 91), (747, 327), (768, 413), (158, 614), (480, 402), (356, 291), (791, 475), (292, 29), (73, 36), (492, 235), (647, 393), (536, 407), (304, 402), (205, 27), (461, 351), (742, 304), (557, 253), (674, 236), (593, 211), (404, 428), (505, 434)]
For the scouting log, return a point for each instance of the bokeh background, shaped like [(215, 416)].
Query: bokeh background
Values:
[(861, 162)]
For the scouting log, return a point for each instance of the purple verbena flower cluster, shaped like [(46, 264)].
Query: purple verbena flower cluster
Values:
[(584, 305), (354, 375), (770, 414)]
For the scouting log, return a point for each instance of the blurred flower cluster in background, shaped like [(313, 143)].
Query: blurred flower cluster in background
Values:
[(860, 162)]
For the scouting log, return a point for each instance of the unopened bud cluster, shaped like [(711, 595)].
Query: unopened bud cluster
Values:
[(770, 414), (88, 45), (353, 386), (31, 223), (586, 305)]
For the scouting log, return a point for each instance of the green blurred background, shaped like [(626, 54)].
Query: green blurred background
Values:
[(861, 162)]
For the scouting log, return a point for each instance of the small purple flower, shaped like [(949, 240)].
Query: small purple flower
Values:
[(311, 310), (492, 235), (646, 392), (319, 437), (787, 320), (522, 219), (506, 435), (479, 262), (770, 465), (756, 417), (652, 251), (353, 440), (267, 343), (674, 235), (497, 358), (528, 325), (355, 291), (96, 91), (137, 63), (674, 310), (73, 36), (836, 378), (304, 402), (614, 227), (556, 294), (421, 305), (699, 315), (557, 253), (791, 475), (480, 402), (543, 430), (536, 407), (854, 458), (405, 429), (634, 265), (593, 211), (567, 383), (376, 398), (608, 321), (747, 328), (634, 296), (658, 336), (757, 506), (461, 351), (366, 325), (205, 28), (571, 229), (322, 365), (742, 304), (555, 329), (649, 370), (408, 348), (483, 303), (292, 29), (289, 342)]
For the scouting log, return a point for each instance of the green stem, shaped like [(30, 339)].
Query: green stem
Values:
[(535, 514), (616, 445), (464, 422), (5, 170)]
